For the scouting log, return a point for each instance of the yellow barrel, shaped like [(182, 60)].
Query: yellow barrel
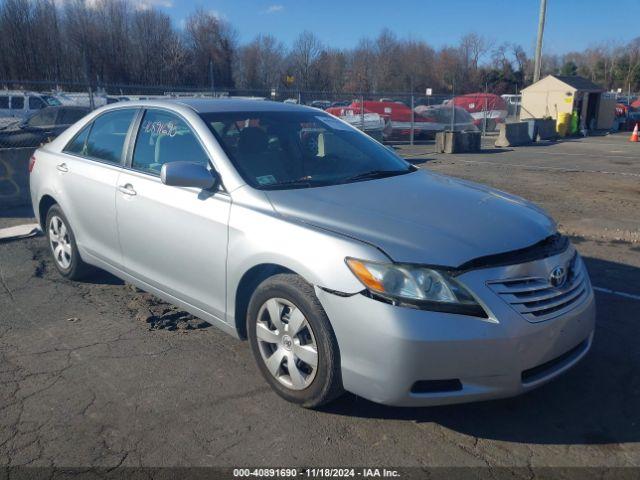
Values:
[(563, 124)]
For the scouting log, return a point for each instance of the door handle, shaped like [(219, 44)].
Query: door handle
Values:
[(62, 167), (127, 189)]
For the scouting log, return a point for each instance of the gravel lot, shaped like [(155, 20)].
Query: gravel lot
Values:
[(99, 374)]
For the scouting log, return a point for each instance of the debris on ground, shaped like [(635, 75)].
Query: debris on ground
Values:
[(159, 315)]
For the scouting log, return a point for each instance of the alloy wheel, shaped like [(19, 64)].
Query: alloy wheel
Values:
[(60, 242), (287, 343)]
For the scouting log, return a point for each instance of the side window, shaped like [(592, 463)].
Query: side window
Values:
[(4, 102), (164, 137), (79, 142), (108, 134), (17, 103), (35, 103)]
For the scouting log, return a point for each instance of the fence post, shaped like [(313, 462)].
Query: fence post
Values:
[(413, 118), (362, 111), (92, 103), (484, 125)]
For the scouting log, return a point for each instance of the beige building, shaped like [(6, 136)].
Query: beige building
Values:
[(556, 94)]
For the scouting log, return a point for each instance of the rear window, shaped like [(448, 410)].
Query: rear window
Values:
[(4, 102), (108, 134), (67, 116), (78, 145), (43, 118)]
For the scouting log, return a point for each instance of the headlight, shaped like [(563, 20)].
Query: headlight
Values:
[(415, 286)]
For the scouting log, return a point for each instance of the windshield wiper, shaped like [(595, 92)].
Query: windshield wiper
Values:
[(372, 174), (298, 182)]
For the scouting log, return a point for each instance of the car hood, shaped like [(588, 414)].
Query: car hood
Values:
[(421, 217)]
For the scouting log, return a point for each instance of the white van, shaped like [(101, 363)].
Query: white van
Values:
[(20, 104)]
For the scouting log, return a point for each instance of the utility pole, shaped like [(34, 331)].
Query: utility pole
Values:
[(538, 59)]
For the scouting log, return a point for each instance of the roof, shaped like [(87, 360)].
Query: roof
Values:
[(573, 81), (201, 105), (579, 83)]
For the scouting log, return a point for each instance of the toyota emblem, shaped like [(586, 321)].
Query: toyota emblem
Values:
[(558, 276)]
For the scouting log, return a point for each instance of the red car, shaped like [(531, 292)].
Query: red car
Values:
[(399, 116)]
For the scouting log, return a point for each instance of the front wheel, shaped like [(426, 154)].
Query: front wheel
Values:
[(293, 342)]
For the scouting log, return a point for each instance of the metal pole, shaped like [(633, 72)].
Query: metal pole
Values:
[(538, 58), (484, 108), (413, 118), (362, 111), (453, 108)]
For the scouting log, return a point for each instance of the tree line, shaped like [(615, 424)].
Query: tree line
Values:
[(115, 42)]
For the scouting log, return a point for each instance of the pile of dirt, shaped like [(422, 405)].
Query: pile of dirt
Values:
[(159, 315)]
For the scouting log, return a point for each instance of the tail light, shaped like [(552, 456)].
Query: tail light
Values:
[(32, 163)]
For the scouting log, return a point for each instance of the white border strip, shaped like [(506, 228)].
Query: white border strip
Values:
[(19, 231), (615, 292)]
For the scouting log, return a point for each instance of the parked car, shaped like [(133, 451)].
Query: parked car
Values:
[(346, 267), (19, 104), (445, 117), (40, 127), (321, 104), (400, 117), (483, 107), (373, 124)]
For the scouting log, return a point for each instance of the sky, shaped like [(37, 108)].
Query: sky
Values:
[(571, 24)]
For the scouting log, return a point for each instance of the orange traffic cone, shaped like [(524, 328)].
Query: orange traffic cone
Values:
[(634, 135)]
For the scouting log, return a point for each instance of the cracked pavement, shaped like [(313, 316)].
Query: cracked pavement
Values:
[(100, 374)]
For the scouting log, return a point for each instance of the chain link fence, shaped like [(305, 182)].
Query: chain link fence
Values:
[(390, 117)]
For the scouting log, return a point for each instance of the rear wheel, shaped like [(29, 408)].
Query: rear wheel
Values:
[(293, 342), (63, 246)]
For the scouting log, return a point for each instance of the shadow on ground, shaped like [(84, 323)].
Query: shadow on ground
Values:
[(598, 402)]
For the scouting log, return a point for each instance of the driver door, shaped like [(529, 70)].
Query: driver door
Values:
[(172, 238)]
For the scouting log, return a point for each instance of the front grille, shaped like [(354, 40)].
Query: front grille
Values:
[(537, 300)]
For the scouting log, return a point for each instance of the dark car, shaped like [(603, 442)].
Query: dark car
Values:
[(321, 104), (341, 103), (41, 127)]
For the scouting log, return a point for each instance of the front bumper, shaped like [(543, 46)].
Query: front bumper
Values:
[(386, 349)]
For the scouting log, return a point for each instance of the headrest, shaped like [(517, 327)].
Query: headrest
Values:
[(252, 140)]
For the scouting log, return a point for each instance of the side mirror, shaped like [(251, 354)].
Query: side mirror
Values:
[(189, 174)]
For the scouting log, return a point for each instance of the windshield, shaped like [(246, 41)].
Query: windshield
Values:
[(51, 101), (277, 150)]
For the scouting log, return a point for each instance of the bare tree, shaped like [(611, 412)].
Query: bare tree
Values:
[(260, 64), (212, 42), (305, 52)]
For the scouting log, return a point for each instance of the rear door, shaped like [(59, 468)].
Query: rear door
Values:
[(172, 238), (90, 167)]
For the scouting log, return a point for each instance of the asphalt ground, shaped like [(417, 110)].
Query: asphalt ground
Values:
[(99, 374)]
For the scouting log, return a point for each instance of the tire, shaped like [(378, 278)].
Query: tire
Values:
[(63, 247), (301, 325)]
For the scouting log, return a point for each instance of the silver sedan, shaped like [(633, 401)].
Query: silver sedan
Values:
[(344, 266)]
